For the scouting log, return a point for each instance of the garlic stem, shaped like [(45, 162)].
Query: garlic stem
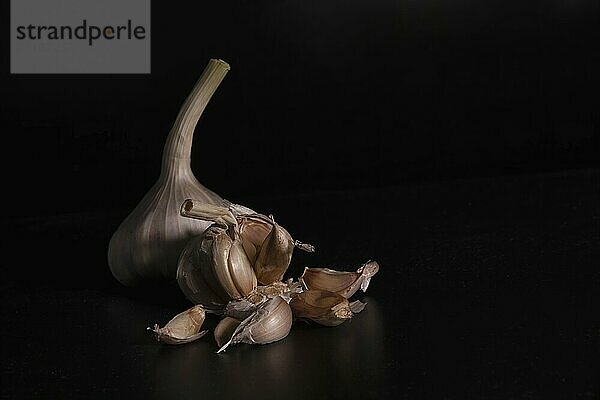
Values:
[(208, 212), (178, 147)]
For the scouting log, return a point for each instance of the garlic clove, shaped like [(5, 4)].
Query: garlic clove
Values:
[(194, 259), (224, 330), (345, 283), (241, 269), (253, 232), (213, 270), (323, 307), (272, 321), (274, 256), (182, 328), (220, 254)]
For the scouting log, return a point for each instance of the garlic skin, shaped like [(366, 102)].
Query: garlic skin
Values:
[(323, 307), (344, 283), (242, 308), (224, 330), (182, 328), (148, 242), (214, 269), (271, 322)]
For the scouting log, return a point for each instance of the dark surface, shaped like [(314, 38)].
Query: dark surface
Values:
[(489, 289), (455, 142)]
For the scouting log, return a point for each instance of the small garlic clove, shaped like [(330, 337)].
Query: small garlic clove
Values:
[(182, 328), (274, 256), (224, 330), (323, 307), (272, 321), (345, 283)]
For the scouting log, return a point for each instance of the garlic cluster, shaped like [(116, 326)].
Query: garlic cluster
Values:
[(266, 314), (227, 259), (240, 250)]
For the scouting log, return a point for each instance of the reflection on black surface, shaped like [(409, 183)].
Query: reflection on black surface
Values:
[(489, 290), (352, 351)]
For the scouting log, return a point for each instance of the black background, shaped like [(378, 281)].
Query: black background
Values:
[(454, 141), (321, 95)]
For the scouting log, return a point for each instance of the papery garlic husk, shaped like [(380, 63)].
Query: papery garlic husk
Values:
[(182, 328), (224, 330), (148, 242), (324, 307), (214, 269), (345, 283), (271, 322), (242, 308)]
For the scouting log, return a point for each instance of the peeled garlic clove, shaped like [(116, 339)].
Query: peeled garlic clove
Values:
[(272, 321), (344, 283), (213, 269), (224, 330), (323, 307), (275, 256), (182, 328)]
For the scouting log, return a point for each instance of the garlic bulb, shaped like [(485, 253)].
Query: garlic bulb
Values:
[(225, 262), (148, 242), (182, 328), (344, 283), (272, 321), (214, 269), (323, 307)]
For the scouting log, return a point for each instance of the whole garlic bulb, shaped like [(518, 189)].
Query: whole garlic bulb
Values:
[(148, 242)]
